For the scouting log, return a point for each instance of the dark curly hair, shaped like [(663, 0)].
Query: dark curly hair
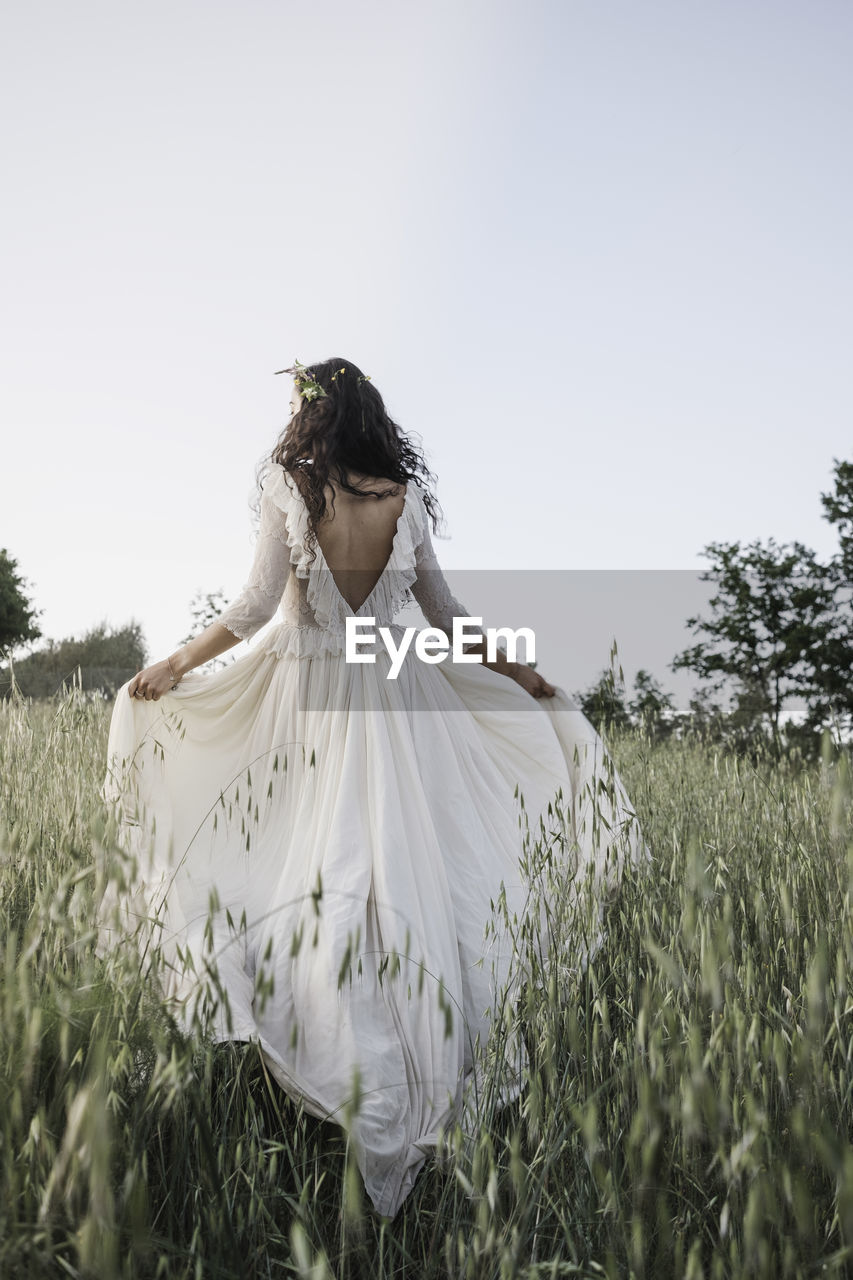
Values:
[(347, 430)]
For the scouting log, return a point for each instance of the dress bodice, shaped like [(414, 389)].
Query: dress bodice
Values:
[(285, 574)]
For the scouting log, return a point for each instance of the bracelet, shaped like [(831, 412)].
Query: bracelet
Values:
[(172, 674)]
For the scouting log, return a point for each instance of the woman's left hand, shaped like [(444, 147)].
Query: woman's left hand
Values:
[(535, 684), (152, 683)]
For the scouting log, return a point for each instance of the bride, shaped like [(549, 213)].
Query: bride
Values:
[(336, 862)]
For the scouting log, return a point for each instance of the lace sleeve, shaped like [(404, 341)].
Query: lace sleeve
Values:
[(438, 605), (267, 579)]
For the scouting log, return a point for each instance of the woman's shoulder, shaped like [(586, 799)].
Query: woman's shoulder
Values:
[(275, 480), (278, 489)]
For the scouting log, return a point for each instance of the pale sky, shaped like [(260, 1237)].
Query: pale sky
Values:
[(596, 255)]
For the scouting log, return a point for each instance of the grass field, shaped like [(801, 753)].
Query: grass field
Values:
[(690, 1104)]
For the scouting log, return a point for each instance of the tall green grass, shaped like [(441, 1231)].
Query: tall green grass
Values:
[(689, 1098)]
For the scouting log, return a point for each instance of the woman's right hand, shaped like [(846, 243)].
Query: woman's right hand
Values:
[(537, 686), (153, 682)]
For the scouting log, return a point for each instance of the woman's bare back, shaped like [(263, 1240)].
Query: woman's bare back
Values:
[(357, 539)]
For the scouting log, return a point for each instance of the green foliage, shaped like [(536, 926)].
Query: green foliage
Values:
[(831, 700), (603, 703), (772, 612), (686, 1108), (651, 708), (838, 510), (205, 608), (101, 660), (782, 628), (17, 615)]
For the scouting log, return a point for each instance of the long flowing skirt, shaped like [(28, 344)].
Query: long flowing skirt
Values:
[(337, 865)]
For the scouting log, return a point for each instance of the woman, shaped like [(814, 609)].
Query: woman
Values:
[(325, 846)]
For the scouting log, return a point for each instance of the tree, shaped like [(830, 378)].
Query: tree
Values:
[(773, 613), (831, 700), (651, 708), (704, 717), (17, 615), (205, 608), (102, 659), (603, 703), (838, 510)]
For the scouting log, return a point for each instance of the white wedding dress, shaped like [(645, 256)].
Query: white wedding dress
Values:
[(322, 850)]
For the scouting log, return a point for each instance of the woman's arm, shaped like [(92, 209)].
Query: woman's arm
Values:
[(158, 679), (439, 606), (208, 644), (524, 675), (252, 609)]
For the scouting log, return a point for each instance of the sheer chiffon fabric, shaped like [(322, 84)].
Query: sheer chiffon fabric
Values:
[(335, 860)]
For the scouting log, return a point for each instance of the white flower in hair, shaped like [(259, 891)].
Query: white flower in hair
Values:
[(309, 387)]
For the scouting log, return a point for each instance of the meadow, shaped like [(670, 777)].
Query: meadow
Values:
[(689, 1108)]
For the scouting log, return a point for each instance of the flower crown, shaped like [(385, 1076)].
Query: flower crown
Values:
[(309, 387)]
